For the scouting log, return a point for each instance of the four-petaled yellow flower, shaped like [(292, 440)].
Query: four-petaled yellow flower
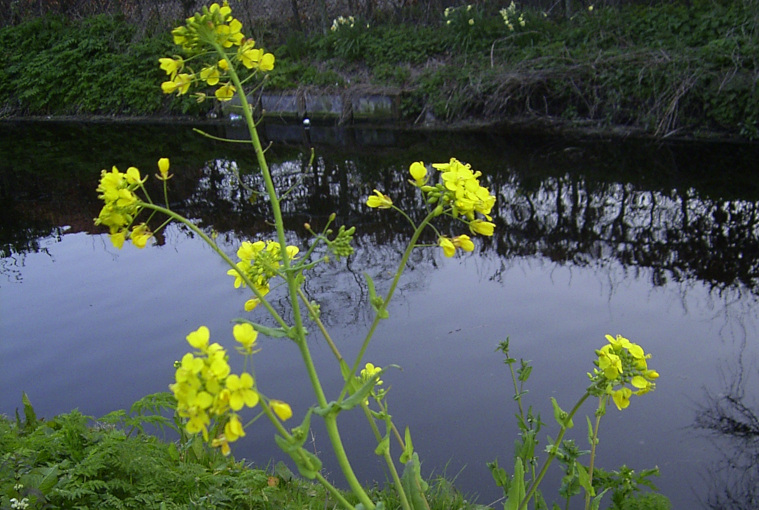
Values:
[(379, 201), (247, 336), (241, 392)]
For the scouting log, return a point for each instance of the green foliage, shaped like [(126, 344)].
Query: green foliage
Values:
[(674, 67), (58, 66), (75, 461)]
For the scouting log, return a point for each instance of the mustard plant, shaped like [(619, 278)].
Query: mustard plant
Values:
[(210, 399), (621, 371)]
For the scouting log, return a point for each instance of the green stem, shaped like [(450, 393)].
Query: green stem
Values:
[(534, 486), (221, 254), (292, 285), (388, 459), (390, 292), (594, 442)]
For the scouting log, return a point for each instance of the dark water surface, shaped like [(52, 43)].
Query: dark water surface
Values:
[(658, 242)]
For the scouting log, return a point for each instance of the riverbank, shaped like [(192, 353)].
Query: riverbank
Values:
[(668, 71)]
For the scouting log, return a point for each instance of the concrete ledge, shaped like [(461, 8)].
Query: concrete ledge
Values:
[(346, 107)]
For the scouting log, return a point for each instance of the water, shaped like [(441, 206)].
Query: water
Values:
[(656, 242)]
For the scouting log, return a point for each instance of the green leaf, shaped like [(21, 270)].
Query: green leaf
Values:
[(408, 451), (378, 303), (279, 332), (383, 447), (517, 489), (414, 485), (596, 502), (562, 417), (499, 475), (584, 478), (30, 416)]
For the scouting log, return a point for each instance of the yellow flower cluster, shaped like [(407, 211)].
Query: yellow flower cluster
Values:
[(459, 194), (117, 190), (205, 388), (214, 29), (259, 262), (622, 362)]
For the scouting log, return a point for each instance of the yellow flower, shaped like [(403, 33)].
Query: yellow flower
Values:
[(610, 363), (199, 338), (379, 201), (163, 168), (225, 92), (171, 66), (140, 235), (179, 84), (118, 238), (370, 371), (281, 409), (482, 227), (241, 392), (233, 430), (210, 75), (221, 442), (621, 397), (643, 385), (246, 335), (449, 249), (463, 242), (419, 173)]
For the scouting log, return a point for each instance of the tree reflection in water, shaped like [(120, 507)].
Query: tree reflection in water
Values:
[(730, 417)]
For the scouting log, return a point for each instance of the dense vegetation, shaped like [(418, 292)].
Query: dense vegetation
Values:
[(664, 70), (75, 461)]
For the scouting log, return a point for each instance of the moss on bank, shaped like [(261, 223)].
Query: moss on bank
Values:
[(671, 69)]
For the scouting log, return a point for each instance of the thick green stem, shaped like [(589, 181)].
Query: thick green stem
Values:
[(552, 454)]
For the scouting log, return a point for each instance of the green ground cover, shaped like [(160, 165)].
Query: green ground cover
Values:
[(670, 69)]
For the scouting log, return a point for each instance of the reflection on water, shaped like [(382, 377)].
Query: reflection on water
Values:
[(659, 243)]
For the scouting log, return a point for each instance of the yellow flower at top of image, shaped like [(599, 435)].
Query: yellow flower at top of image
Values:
[(379, 201)]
